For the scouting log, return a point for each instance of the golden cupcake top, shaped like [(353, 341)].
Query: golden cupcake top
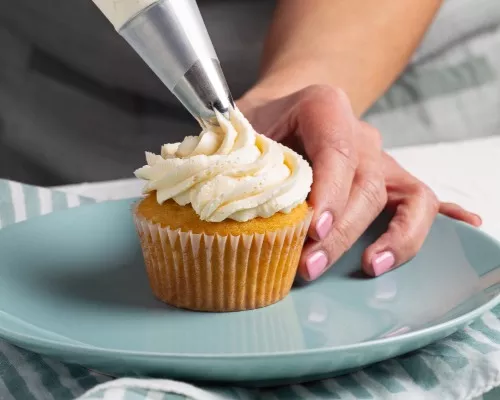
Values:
[(228, 172)]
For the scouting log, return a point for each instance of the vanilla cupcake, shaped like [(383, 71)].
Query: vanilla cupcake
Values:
[(224, 218)]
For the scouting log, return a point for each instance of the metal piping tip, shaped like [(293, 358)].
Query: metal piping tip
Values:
[(213, 121), (172, 39)]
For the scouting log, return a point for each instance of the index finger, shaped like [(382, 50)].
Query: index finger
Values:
[(326, 127)]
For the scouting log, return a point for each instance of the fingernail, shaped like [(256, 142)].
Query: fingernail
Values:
[(316, 264), (382, 262), (479, 219), (324, 225)]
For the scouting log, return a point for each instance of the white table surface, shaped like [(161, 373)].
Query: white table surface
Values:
[(467, 173)]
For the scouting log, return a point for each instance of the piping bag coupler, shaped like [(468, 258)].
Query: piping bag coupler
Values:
[(171, 37)]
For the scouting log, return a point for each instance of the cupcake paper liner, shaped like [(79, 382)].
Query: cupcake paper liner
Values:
[(220, 273)]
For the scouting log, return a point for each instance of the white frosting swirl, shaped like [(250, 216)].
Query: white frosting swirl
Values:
[(229, 171)]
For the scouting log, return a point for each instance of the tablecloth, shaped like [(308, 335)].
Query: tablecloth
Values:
[(463, 366)]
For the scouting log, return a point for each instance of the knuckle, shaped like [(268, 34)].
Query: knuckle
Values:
[(426, 195), (322, 94), (326, 92), (342, 148), (340, 241), (335, 188), (376, 137), (374, 191), (406, 239), (434, 204), (373, 133)]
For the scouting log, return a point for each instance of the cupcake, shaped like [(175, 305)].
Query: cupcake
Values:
[(224, 218)]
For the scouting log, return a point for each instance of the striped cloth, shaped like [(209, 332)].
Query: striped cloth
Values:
[(464, 366)]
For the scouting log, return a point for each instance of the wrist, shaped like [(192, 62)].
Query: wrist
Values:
[(276, 82)]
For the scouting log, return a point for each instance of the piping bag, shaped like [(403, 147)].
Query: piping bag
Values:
[(171, 37)]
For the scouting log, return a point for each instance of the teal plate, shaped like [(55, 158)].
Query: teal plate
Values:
[(73, 286)]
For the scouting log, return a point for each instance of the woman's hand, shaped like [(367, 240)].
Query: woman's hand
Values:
[(414, 207), (354, 180)]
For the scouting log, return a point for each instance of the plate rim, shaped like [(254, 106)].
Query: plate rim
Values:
[(456, 322)]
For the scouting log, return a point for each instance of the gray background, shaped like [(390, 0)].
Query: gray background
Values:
[(77, 104)]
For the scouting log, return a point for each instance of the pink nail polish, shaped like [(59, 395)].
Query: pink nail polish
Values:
[(316, 264), (382, 262), (324, 224), (479, 220)]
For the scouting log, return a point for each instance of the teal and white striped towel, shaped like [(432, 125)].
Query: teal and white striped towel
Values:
[(464, 366)]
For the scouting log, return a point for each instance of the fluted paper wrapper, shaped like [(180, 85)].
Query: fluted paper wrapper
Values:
[(220, 273)]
